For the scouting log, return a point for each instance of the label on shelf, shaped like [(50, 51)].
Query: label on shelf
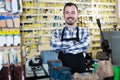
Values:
[(10, 56), (9, 39), (16, 40), (9, 21), (3, 40), (11, 6)]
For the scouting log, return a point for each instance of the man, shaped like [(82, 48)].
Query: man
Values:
[(72, 41)]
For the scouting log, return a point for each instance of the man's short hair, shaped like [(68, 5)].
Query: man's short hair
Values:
[(70, 4)]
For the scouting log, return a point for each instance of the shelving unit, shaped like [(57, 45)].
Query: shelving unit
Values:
[(41, 17), (10, 31), (10, 38)]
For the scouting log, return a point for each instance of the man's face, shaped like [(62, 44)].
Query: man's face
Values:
[(70, 15)]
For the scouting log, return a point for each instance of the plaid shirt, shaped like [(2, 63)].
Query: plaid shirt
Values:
[(72, 46)]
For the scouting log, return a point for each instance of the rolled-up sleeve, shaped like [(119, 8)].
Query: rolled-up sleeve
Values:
[(61, 45), (71, 46), (84, 43)]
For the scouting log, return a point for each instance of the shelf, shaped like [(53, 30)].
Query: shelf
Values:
[(41, 14), (9, 47)]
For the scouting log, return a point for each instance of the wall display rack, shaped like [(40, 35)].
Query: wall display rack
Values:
[(10, 38), (10, 31), (41, 17)]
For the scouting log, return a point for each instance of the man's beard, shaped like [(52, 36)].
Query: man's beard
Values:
[(70, 22)]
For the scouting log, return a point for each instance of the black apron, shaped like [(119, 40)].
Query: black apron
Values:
[(74, 61)]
